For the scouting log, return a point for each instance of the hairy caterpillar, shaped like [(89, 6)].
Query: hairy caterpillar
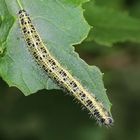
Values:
[(59, 74)]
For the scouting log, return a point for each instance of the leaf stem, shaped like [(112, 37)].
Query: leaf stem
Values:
[(20, 5)]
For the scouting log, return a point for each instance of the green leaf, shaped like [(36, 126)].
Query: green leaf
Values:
[(6, 21), (74, 2), (110, 26), (61, 24), (117, 4)]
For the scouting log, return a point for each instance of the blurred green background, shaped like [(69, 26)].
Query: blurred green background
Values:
[(50, 115)]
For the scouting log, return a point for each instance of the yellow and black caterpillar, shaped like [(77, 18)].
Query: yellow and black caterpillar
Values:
[(59, 74)]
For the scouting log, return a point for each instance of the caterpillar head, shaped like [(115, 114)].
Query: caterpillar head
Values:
[(21, 11)]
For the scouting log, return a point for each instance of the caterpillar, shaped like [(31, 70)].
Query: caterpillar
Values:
[(58, 73)]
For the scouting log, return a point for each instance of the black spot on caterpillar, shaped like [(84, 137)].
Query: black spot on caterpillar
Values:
[(58, 73)]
